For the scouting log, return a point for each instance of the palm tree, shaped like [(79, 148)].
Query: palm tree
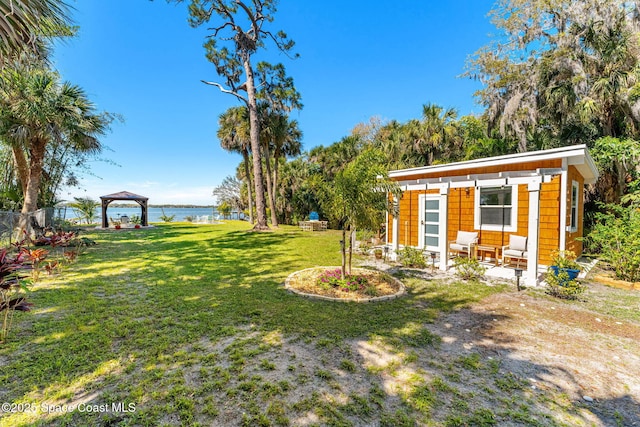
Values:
[(289, 145), (281, 139), (23, 22), (394, 140), (85, 207), (439, 130), (233, 133), (36, 109), (268, 126)]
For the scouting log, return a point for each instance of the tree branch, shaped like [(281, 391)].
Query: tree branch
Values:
[(216, 30), (252, 18), (281, 45), (225, 90)]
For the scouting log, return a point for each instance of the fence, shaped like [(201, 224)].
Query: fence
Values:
[(10, 221)]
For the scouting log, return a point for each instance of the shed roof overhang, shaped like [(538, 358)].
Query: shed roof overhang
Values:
[(576, 155)]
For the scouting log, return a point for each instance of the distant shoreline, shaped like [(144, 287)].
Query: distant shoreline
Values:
[(130, 205)]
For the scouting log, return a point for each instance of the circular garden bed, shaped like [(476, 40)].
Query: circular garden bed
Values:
[(361, 286)]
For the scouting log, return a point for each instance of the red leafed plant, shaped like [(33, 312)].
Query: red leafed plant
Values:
[(59, 238), (12, 288), (35, 256), (70, 256), (51, 267)]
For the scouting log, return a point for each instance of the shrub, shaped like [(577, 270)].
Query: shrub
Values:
[(167, 218), (59, 238), (560, 285), (412, 257), (469, 268), (350, 283), (365, 247), (616, 238)]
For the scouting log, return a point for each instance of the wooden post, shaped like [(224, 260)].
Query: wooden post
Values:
[(444, 232), (534, 231), (396, 226)]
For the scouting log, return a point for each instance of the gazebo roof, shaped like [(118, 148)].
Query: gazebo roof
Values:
[(123, 195)]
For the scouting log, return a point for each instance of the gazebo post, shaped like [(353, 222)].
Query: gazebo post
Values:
[(144, 215), (105, 222)]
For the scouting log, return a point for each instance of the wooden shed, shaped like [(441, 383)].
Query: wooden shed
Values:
[(538, 195)]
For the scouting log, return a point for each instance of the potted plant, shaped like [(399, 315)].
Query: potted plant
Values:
[(117, 224), (565, 262), (561, 277), (378, 253), (135, 220)]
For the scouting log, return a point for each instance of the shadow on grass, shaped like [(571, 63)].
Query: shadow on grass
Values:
[(139, 297)]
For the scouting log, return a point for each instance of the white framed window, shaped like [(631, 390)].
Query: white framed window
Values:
[(575, 194), (496, 208)]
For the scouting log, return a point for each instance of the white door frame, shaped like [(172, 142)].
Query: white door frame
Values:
[(441, 215)]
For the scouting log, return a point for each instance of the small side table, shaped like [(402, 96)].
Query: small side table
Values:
[(484, 250)]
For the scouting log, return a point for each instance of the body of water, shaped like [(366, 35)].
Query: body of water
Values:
[(153, 213)]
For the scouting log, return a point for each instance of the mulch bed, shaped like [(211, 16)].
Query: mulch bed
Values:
[(305, 281)]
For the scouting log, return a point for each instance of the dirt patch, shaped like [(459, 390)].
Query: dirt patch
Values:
[(561, 350), (375, 284)]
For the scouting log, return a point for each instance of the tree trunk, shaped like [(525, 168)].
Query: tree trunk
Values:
[(621, 171), (261, 209), (351, 236), (247, 172), (36, 153), (22, 168), (343, 243), (276, 160), (270, 194)]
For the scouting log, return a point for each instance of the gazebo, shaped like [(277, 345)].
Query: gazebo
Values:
[(124, 195)]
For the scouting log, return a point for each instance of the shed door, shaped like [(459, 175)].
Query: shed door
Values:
[(430, 222)]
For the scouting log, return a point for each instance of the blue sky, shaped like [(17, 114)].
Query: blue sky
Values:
[(358, 59)]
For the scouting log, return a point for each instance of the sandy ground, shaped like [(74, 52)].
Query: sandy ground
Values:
[(589, 359), (533, 361)]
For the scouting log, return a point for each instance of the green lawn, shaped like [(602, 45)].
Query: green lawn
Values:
[(191, 326)]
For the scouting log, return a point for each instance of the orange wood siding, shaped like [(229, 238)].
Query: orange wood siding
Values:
[(460, 213), (549, 239), (573, 244), (460, 217), (409, 217)]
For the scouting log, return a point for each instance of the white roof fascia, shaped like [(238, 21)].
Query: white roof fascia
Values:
[(576, 151), (484, 180)]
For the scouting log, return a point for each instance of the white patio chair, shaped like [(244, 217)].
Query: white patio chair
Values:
[(517, 249), (464, 243)]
